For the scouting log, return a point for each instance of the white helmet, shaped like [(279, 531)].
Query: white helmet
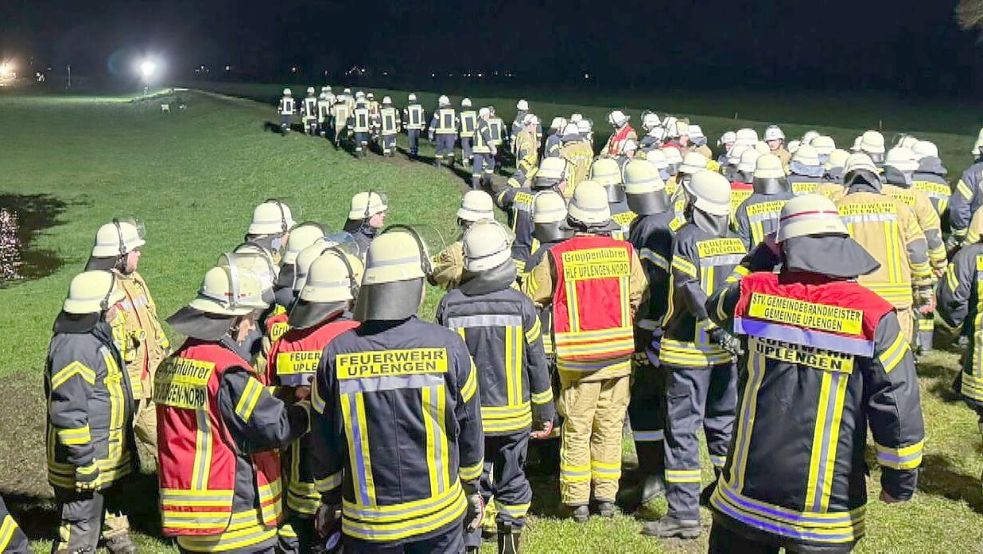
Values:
[(558, 123), (670, 123), (650, 120), (837, 159), (548, 207), (553, 168), (809, 214), (326, 88), (522, 105), (466, 103), (347, 91), (271, 218), (310, 90), (286, 92), (823, 144), (367, 204), (359, 94), (902, 159), (809, 136), (657, 158), (484, 112), (696, 133), (487, 244), (92, 292), (590, 204), (117, 238), (640, 177), (976, 151), (658, 133), (226, 290), (710, 192), (530, 119), (735, 153), (605, 171), (330, 278), (746, 136), (584, 127), (476, 205), (618, 118), (793, 146), (730, 137), (907, 141), (443, 101), (572, 129), (575, 117), (872, 142), (370, 96), (768, 166), (411, 97), (672, 155), (925, 149), (859, 161), (749, 160), (807, 155), (301, 237), (693, 163), (774, 132)]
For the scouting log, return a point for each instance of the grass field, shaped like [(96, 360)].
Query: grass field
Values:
[(193, 177)]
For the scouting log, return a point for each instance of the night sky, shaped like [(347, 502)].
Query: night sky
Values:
[(914, 47)]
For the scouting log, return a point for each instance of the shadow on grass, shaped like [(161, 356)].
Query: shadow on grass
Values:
[(35, 213), (939, 477)]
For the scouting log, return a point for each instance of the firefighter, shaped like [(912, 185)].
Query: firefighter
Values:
[(526, 152), (899, 166), (482, 153), (549, 215), (725, 143), (443, 131), (324, 104), (366, 216), (698, 356), (448, 264), (834, 170), (397, 440), (309, 111), (321, 313), (341, 110), (586, 129), (654, 132), (89, 434), (270, 227), (628, 150), (775, 138), (693, 164), (593, 285), (809, 136), (12, 539), (578, 154), (605, 172), (414, 121), (286, 109), (677, 132), (872, 144), (658, 160), (930, 177), (806, 170), (502, 330), (824, 145), (966, 198), (888, 229), (553, 140), (301, 236), (469, 122), (651, 234), (799, 482), (497, 128), (257, 260), (330, 96), (219, 426), (518, 202), (141, 338), (757, 216), (742, 180), (389, 126), (622, 132), (360, 122), (519, 123)]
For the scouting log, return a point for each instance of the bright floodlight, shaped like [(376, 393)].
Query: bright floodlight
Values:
[(147, 69), (5, 70)]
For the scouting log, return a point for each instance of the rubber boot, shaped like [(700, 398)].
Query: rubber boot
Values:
[(121, 544), (580, 514), (669, 527), (508, 539), (651, 466), (606, 509)]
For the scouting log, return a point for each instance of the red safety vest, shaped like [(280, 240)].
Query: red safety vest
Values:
[(294, 358), (197, 453), (592, 320), (839, 315), (614, 143)]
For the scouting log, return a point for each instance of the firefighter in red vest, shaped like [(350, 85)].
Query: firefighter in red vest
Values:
[(594, 284), (622, 132), (320, 314), (825, 360), (698, 356), (397, 440), (219, 427)]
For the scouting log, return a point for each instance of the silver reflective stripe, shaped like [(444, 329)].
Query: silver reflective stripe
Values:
[(863, 218), (389, 382), (487, 320), (767, 216), (732, 259)]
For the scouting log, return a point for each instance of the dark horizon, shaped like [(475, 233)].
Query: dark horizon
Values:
[(911, 48)]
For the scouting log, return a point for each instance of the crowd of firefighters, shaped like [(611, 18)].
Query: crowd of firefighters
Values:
[(773, 296)]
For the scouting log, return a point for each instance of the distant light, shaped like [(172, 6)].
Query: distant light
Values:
[(6, 70), (385, 73), (480, 75), (586, 75), (433, 75), (148, 68), (228, 68), (293, 69)]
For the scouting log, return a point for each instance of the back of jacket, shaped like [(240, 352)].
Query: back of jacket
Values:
[(758, 216)]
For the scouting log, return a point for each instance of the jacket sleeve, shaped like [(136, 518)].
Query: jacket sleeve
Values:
[(893, 409), (637, 283), (720, 306), (742, 226), (931, 226), (914, 239), (328, 452), (956, 287), (72, 382), (960, 211), (537, 366), (686, 279), (471, 437), (257, 420), (539, 286), (654, 257)]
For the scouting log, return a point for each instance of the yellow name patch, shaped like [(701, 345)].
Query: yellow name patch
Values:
[(773, 207), (719, 247), (826, 360), (523, 198), (183, 383), (823, 317), (277, 330), (737, 197), (905, 196), (934, 188), (296, 363), (413, 361), (624, 218), (596, 263), (866, 208)]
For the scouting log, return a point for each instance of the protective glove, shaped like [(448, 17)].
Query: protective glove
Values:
[(327, 520), (476, 510), (725, 340), (925, 300), (952, 243), (87, 477)]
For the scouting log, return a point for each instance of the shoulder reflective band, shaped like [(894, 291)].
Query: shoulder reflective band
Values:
[(596, 263), (834, 319), (183, 383)]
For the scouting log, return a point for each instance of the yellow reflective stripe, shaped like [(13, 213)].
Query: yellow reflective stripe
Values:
[(117, 401), (470, 473), (355, 436), (413, 526), (834, 439), (654, 258), (572, 473), (963, 189), (534, 332), (250, 397), (573, 312), (893, 355), (517, 511), (317, 401), (684, 476), (9, 526), (564, 338), (542, 397), (470, 384), (433, 421), (684, 266), (950, 278), (749, 405), (203, 452), (360, 413), (71, 370), (906, 457), (623, 298), (824, 441), (596, 348), (329, 483), (605, 470), (510, 356), (76, 436), (246, 535)]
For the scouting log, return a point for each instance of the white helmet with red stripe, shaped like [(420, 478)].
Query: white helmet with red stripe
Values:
[(809, 214)]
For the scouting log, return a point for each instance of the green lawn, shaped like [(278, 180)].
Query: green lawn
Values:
[(194, 176)]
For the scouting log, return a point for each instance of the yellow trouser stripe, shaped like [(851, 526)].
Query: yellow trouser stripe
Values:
[(683, 476)]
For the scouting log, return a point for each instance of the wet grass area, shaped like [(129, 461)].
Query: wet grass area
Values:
[(34, 213)]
